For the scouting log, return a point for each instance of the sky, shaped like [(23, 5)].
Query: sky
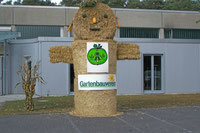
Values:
[(54, 1)]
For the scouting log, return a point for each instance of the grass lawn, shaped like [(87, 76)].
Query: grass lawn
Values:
[(66, 103)]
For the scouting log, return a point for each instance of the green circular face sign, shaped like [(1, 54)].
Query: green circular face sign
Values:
[(97, 55)]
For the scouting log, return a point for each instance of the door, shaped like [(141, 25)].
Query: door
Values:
[(153, 73)]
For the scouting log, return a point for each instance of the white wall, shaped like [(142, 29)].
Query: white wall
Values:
[(181, 65), (129, 78), (182, 68), (55, 75), (16, 58)]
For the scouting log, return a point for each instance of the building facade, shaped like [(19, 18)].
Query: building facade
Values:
[(169, 43)]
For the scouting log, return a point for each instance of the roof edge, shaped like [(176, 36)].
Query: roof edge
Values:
[(115, 9)]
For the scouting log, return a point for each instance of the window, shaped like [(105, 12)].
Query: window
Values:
[(168, 33), (182, 33), (71, 34), (28, 32), (128, 32), (152, 73)]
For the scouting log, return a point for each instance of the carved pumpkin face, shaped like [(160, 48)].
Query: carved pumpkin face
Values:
[(98, 22)]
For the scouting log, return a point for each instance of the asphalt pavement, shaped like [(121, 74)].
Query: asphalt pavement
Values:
[(159, 120)]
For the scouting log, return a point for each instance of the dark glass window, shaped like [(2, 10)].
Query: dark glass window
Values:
[(147, 72), (28, 32), (182, 33), (157, 73), (128, 32)]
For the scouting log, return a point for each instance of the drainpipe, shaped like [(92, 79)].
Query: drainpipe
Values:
[(4, 66)]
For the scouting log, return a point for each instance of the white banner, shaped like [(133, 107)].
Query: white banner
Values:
[(97, 82), (97, 57)]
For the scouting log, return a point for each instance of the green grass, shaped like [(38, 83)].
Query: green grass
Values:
[(42, 105), (156, 101), (65, 104)]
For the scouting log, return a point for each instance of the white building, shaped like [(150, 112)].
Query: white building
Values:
[(169, 43)]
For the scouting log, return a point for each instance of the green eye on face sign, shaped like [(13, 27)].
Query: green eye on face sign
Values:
[(97, 55)]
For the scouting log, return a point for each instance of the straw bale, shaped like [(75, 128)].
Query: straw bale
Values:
[(60, 54), (93, 103), (128, 51), (82, 25)]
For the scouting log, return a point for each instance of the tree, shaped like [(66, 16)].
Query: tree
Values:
[(38, 2), (134, 4), (196, 6), (18, 2), (117, 3), (47, 3), (8, 2), (180, 5), (152, 4), (30, 2), (71, 2)]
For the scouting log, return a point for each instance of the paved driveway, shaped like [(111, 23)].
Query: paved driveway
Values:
[(162, 120)]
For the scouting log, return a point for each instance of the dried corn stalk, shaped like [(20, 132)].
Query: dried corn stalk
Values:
[(29, 76)]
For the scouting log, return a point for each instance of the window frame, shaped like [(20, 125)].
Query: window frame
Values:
[(153, 91)]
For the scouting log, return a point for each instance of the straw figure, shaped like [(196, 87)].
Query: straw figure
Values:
[(94, 22)]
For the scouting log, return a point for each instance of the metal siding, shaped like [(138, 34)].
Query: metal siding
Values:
[(16, 58), (6, 16), (181, 20), (129, 77), (38, 16), (181, 66), (45, 15), (56, 75), (132, 18), (57, 82)]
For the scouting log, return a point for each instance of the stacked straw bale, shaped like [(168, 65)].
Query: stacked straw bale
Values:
[(128, 51), (60, 54), (81, 26), (93, 103)]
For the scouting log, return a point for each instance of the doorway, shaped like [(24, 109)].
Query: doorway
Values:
[(71, 78), (153, 73)]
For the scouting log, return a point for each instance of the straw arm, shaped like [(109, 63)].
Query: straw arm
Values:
[(128, 51), (61, 54)]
